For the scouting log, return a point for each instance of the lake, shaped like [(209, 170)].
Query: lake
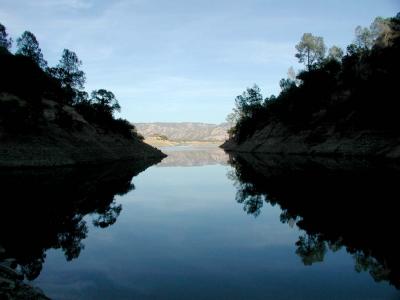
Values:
[(204, 225)]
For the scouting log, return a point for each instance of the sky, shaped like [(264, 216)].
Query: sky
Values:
[(185, 60)]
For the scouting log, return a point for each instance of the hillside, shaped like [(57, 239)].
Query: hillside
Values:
[(55, 144), (344, 105), (185, 131), (42, 122)]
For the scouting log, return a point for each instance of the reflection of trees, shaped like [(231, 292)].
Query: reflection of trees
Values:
[(43, 209), (311, 249), (338, 204)]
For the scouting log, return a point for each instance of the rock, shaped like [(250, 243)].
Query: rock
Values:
[(77, 144), (322, 140)]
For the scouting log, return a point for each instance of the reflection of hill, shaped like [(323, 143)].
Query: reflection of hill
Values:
[(43, 209), (192, 156), (338, 203)]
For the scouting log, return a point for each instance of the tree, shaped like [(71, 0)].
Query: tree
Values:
[(335, 53), (29, 46), (385, 31), (311, 248), (380, 33), (286, 84), (249, 101), (105, 101), (311, 49), (364, 38), (5, 41), (67, 71), (82, 97), (292, 76), (232, 117), (289, 82)]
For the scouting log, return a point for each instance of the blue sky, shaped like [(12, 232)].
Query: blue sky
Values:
[(185, 60)]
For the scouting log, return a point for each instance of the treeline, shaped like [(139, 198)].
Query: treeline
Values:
[(356, 89), (27, 75)]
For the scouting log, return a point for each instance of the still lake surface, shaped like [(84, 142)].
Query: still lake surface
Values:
[(182, 232)]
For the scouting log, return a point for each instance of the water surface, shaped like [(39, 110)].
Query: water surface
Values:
[(191, 227)]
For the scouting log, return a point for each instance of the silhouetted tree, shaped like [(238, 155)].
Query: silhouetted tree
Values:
[(5, 41), (82, 97), (248, 101), (310, 50), (286, 84), (28, 46), (232, 117), (68, 72), (105, 101), (335, 53)]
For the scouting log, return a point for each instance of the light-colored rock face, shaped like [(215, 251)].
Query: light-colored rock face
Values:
[(185, 131), (187, 156)]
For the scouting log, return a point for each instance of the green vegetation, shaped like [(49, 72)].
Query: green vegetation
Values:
[(26, 75), (355, 91)]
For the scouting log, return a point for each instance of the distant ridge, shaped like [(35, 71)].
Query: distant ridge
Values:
[(185, 131)]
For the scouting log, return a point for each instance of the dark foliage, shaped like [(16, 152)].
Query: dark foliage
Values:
[(29, 46), (101, 115), (65, 199), (358, 92), (22, 77), (338, 203), (25, 75), (5, 41)]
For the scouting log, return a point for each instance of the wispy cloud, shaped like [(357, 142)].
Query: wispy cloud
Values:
[(70, 4), (184, 56)]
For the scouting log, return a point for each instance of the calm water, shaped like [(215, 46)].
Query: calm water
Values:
[(185, 228)]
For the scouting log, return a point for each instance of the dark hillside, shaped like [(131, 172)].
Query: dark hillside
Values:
[(336, 106)]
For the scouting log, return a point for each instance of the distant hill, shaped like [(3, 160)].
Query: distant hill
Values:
[(185, 131)]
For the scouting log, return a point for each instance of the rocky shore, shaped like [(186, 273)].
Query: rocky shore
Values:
[(276, 138), (12, 285), (54, 143)]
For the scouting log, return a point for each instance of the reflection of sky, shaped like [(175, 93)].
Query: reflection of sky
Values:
[(181, 235), (185, 60)]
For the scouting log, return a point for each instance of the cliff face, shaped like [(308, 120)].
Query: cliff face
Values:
[(63, 137), (325, 139)]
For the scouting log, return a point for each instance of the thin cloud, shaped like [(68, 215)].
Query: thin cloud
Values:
[(59, 4)]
